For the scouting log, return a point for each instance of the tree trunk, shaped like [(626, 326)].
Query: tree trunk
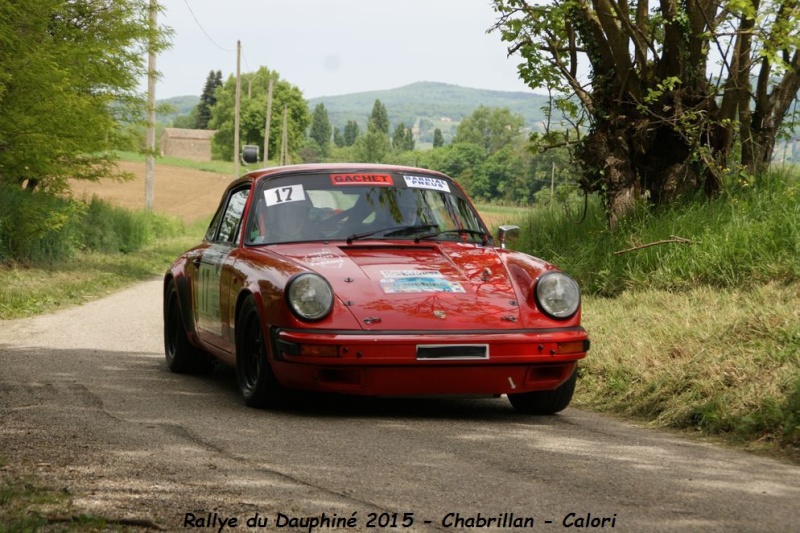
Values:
[(633, 160)]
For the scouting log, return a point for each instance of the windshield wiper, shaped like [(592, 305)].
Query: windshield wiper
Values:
[(461, 231), (393, 232)]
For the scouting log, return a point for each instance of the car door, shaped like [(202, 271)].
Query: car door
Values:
[(209, 282)]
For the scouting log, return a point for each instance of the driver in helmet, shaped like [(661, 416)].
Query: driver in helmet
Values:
[(288, 221)]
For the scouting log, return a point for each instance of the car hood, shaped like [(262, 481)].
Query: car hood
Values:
[(426, 286)]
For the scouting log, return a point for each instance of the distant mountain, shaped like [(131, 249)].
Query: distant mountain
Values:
[(429, 105), (428, 99), (176, 106), (426, 105)]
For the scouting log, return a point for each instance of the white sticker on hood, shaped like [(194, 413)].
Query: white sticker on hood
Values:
[(410, 273), (419, 284), (324, 258)]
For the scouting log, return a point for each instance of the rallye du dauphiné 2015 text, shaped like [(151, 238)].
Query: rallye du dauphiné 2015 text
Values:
[(395, 521)]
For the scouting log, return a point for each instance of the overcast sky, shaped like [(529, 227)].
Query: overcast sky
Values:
[(330, 47)]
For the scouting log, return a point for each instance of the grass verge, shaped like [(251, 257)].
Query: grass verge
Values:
[(28, 505), (27, 290), (718, 362)]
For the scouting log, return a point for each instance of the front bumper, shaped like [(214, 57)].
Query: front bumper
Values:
[(426, 363)]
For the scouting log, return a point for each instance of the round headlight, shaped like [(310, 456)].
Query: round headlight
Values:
[(557, 295), (310, 296)]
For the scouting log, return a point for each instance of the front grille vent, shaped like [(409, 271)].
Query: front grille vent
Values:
[(452, 351)]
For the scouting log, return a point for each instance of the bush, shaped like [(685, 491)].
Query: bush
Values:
[(40, 227), (750, 235)]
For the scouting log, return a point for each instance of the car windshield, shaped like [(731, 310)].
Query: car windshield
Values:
[(356, 206)]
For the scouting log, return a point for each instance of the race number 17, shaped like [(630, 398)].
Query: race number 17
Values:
[(282, 195)]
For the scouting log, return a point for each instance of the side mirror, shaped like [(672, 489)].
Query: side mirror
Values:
[(507, 234), (249, 154)]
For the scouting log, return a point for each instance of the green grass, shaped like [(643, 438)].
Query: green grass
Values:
[(30, 289), (27, 505), (717, 361), (702, 336), (742, 239), (221, 167)]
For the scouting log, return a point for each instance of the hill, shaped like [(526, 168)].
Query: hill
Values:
[(427, 105), (170, 108)]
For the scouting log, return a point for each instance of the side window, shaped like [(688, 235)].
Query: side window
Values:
[(212, 228), (232, 216)]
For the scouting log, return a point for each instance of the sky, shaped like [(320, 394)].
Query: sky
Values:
[(332, 47)]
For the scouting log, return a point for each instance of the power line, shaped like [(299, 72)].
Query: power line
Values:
[(203, 29)]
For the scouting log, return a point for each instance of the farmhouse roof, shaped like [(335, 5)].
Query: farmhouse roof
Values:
[(183, 133)]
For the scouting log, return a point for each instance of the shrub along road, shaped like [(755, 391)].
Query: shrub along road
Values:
[(88, 407)]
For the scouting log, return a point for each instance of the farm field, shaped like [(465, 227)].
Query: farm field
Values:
[(183, 192)]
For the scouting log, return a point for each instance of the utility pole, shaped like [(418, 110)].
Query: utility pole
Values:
[(236, 117), (150, 160), (285, 138), (269, 119)]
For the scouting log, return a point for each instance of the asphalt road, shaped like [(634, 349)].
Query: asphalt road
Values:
[(87, 404)]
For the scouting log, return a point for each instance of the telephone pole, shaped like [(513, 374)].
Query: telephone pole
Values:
[(269, 119), (236, 117), (150, 158)]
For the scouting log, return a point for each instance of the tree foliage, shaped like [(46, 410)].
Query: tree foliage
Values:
[(438, 138), (208, 99), (676, 93), (253, 113), (379, 119), (490, 128), (321, 129), (403, 138), (69, 76), (350, 133)]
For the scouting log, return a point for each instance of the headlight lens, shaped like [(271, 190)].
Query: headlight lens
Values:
[(310, 296), (558, 295)]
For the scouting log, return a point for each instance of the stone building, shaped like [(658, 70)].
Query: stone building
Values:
[(187, 144)]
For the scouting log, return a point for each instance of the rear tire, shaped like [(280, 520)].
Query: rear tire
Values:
[(257, 382), (546, 402), (182, 356)]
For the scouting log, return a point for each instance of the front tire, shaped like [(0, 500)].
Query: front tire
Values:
[(257, 382), (546, 402), (182, 356)]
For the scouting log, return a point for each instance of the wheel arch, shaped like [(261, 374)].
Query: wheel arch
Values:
[(184, 300)]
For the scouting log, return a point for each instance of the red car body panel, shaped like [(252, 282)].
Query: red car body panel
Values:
[(408, 318)]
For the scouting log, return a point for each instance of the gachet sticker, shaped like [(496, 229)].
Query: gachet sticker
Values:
[(383, 180), (427, 182)]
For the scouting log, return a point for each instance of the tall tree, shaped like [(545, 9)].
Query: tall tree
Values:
[(208, 99), (438, 138), (70, 74), (403, 138), (252, 115), (670, 87), (491, 128), (372, 147), (379, 118), (321, 129), (338, 137), (350, 133)]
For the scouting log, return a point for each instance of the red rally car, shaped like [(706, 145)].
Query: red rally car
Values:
[(370, 280)]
